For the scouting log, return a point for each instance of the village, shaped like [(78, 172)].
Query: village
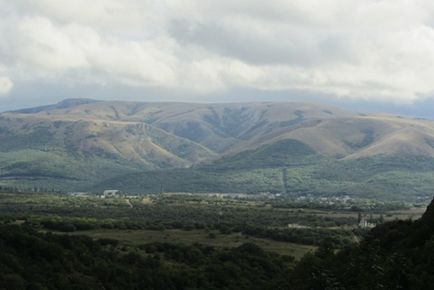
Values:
[(364, 221)]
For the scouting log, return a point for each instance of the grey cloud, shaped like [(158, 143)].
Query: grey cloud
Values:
[(289, 46), (370, 50)]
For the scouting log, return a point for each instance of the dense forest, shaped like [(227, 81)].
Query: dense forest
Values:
[(32, 260), (394, 255)]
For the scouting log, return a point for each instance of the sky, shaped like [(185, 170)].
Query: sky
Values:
[(364, 54)]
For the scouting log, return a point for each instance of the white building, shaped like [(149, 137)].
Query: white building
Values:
[(111, 193), (365, 224)]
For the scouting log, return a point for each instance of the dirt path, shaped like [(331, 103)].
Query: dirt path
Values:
[(129, 203)]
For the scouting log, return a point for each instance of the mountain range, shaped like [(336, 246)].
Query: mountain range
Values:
[(293, 148)]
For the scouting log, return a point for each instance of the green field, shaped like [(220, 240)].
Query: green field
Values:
[(210, 238), (276, 224)]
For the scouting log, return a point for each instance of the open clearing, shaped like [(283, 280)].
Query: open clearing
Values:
[(139, 237)]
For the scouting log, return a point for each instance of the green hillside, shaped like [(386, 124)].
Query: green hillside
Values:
[(362, 178), (282, 153), (290, 148)]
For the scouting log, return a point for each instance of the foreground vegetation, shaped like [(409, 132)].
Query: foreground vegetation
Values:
[(395, 255), (30, 259), (54, 241)]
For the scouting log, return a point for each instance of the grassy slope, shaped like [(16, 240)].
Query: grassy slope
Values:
[(293, 168), (57, 169), (70, 155), (380, 177), (287, 147)]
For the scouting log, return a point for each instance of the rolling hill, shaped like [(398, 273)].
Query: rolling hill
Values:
[(82, 144)]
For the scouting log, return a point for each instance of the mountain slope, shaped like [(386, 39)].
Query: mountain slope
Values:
[(232, 128), (83, 151), (218, 127), (92, 143)]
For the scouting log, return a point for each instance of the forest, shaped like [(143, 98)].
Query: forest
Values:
[(395, 255), (56, 241), (32, 260)]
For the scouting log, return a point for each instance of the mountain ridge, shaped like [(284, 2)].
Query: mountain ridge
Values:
[(144, 136)]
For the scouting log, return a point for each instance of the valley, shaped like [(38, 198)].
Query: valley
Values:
[(205, 196), (264, 239)]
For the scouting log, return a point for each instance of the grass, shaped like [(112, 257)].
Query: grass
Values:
[(139, 237), (186, 219)]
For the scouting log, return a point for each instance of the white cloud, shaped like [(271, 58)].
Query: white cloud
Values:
[(5, 85), (373, 49)]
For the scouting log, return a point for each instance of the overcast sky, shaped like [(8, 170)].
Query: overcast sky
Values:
[(369, 52)]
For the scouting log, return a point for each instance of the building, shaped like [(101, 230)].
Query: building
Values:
[(366, 224), (111, 193), (79, 194)]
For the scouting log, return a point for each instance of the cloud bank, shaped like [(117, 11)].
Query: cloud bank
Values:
[(367, 50)]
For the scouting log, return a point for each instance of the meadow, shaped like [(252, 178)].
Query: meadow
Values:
[(280, 224)]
